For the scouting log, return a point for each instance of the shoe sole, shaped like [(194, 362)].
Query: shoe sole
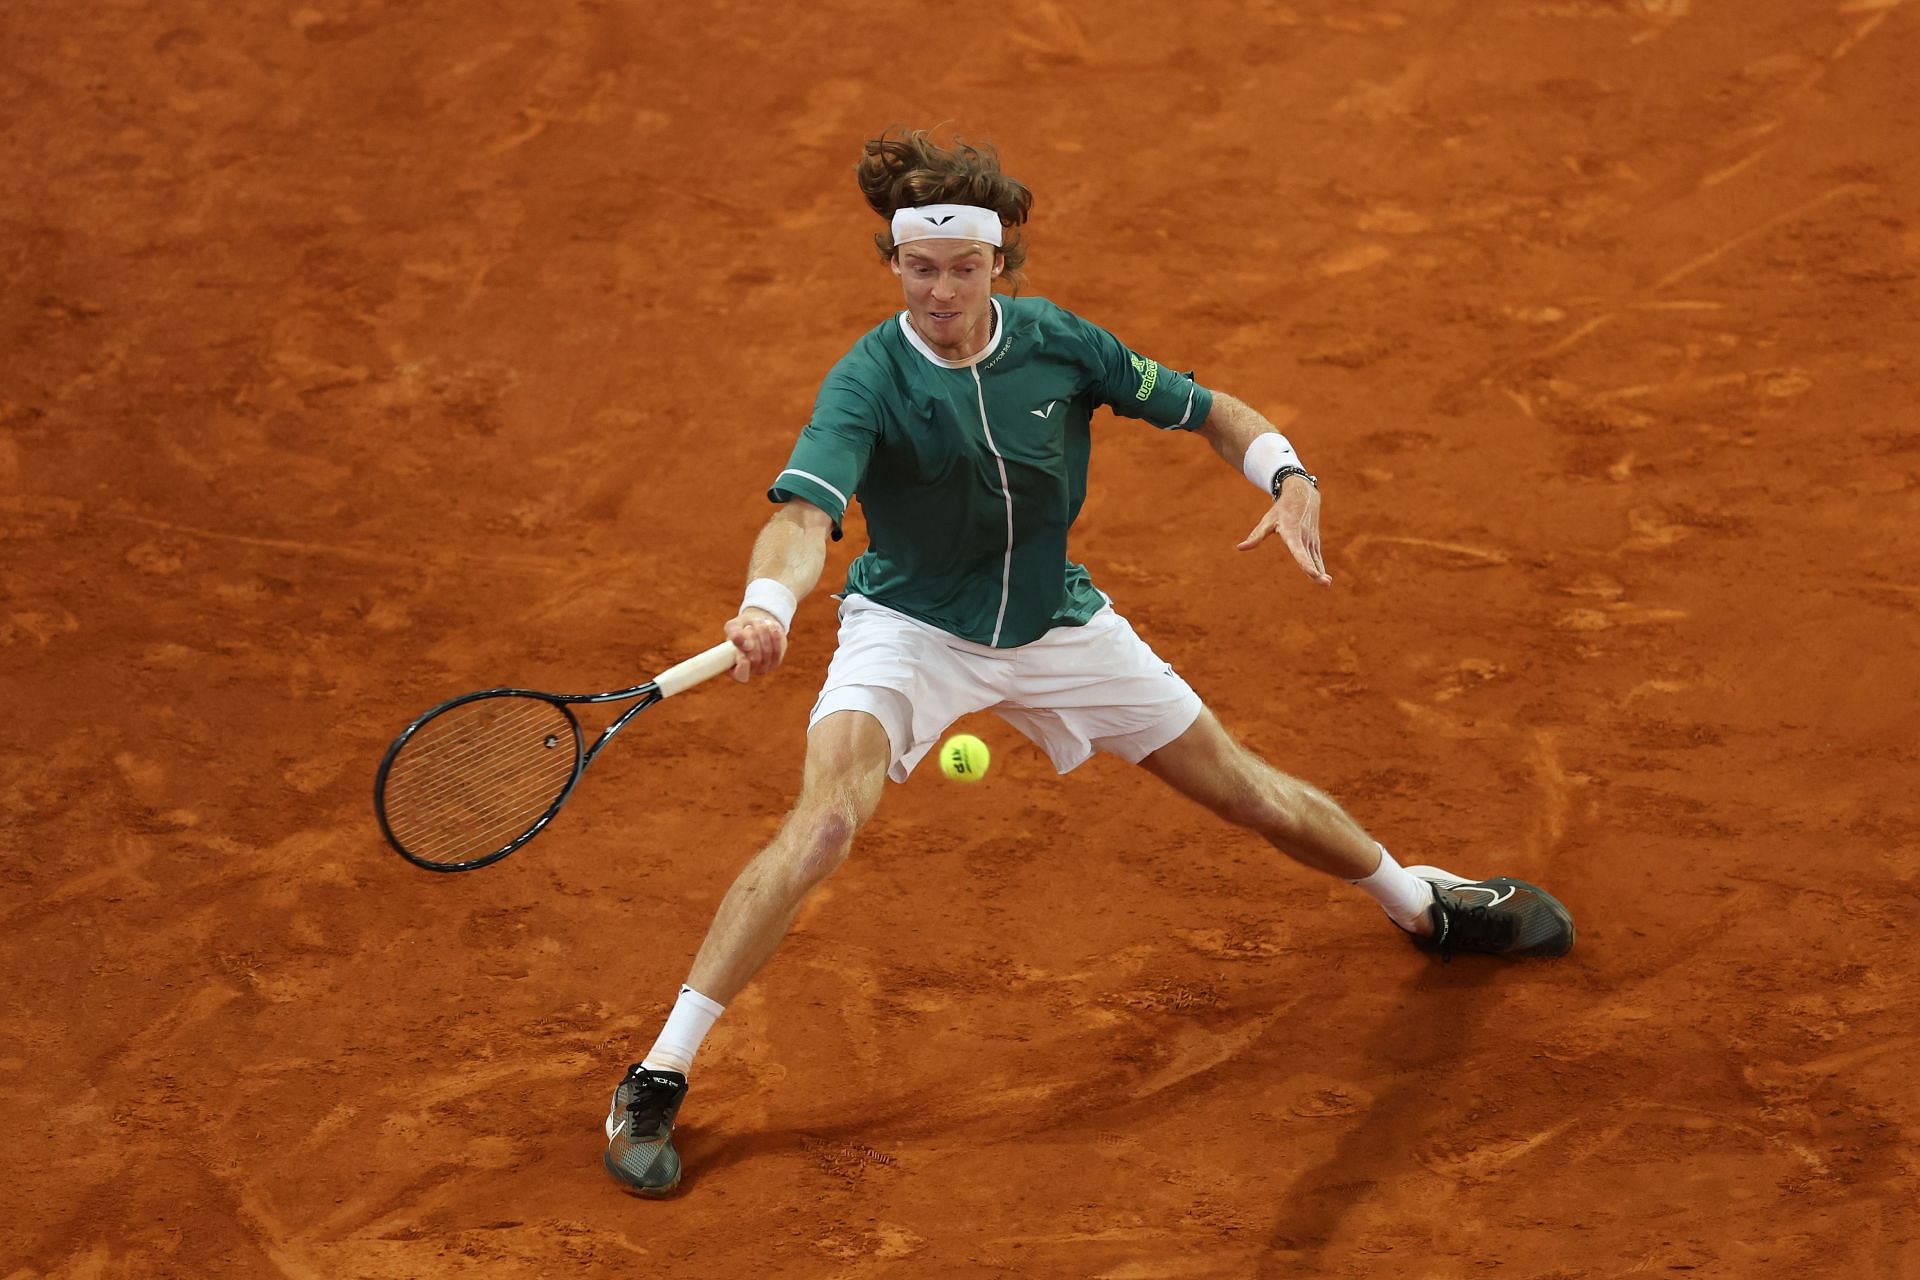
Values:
[(1448, 880)]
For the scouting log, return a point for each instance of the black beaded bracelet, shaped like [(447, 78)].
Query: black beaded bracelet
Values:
[(1280, 477)]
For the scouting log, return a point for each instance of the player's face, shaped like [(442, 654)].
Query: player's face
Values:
[(949, 288)]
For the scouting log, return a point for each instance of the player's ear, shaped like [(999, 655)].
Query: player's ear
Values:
[(894, 262), (999, 262)]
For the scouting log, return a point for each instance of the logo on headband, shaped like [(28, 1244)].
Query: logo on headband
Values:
[(940, 221)]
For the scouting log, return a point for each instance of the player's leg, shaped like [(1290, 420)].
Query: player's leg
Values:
[(1207, 766), (1101, 687), (846, 767), (1443, 911), (893, 686)]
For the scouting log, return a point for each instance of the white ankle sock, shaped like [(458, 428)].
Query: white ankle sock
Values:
[(692, 1017), (1403, 895)]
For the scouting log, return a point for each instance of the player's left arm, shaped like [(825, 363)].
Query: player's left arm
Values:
[(1136, 387), (1232, 428)]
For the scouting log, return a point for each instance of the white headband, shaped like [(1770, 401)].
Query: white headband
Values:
[(946, 222)]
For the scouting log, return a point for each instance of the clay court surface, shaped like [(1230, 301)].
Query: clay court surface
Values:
[(361, 354)]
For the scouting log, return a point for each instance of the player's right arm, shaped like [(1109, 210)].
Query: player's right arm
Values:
[(791, 551), (825, 468)]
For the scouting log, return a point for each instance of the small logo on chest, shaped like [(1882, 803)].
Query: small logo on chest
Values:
[(1046, 412)]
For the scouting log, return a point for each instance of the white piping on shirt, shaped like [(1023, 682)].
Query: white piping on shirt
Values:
[(1006, 565), (808, 475)]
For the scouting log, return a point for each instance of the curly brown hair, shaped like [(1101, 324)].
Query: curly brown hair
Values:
[(904, 168)]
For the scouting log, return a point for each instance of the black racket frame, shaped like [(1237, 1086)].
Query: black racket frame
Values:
[(648, 693)]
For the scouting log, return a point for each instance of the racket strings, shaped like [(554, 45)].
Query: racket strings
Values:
[(475, 756), (477, 820), (465, 757), (466, 729), (491, 787), (478, 776)]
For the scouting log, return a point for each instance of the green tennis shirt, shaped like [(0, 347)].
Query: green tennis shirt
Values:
[(971, 472)]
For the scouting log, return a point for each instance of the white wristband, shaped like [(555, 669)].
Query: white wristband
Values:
[(1267, 454), (774, 596)]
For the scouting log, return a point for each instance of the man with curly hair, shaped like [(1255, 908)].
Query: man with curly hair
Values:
[(962, 423)]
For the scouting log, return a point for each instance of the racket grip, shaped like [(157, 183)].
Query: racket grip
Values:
[(697, 669)]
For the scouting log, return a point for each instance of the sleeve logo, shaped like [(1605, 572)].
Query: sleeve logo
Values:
[(1149, 374)]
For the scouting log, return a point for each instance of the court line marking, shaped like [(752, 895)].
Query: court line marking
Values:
[(1556, 791), (1365, 540), (1800, 210), (340, 551)]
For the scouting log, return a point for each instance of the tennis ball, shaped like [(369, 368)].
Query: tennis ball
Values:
[(964, 758)]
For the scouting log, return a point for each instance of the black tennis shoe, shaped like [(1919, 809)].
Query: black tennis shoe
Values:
[(1498, 916), (640, 1153)]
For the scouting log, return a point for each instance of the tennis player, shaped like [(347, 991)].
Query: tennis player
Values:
[(963, 425)]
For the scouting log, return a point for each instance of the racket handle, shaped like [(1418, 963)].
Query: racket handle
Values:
[(697, 669)]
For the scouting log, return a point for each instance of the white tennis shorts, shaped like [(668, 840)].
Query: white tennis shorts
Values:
[(1074, 691)]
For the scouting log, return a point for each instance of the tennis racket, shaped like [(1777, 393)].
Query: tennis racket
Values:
[(477, 777)]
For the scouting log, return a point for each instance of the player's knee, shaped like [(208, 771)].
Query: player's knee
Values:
[(822, 839)]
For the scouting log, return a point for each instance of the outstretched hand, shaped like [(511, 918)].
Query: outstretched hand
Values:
[(1295, 516), (761, 640)]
